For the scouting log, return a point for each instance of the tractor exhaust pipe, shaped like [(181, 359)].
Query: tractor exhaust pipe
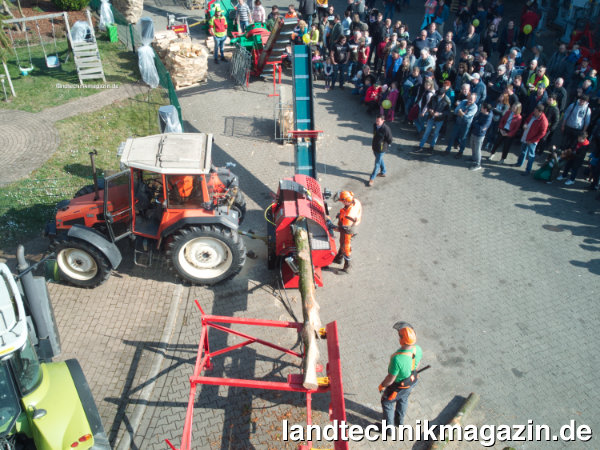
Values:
[(94, 174)]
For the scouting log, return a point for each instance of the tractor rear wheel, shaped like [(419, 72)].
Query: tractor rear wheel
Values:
[(79, 263), (239, 205), (207, 254)]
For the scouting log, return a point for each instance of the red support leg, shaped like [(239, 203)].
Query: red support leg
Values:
[(294, 381)]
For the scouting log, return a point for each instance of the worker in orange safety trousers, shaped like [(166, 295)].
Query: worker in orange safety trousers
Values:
[(402, 375), (349, 218)]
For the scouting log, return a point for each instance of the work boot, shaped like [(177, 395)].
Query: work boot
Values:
[(338, 258), (347, 266)]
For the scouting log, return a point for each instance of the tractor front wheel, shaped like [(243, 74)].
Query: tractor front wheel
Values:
[(207, 254), (79, 263)]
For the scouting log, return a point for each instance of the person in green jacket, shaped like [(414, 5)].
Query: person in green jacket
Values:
[(402, 375)]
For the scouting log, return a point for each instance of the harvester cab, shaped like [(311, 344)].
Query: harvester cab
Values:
[(45, 404), (168, 197)]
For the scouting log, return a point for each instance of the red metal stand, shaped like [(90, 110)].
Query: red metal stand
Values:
[(337, 410), (276, 74), (305, 134)]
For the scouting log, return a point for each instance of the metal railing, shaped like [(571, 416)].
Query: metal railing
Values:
[(241, 62)]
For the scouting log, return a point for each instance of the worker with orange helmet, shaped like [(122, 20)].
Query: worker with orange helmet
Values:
[(183, 185), (349, 218), (402, 375)]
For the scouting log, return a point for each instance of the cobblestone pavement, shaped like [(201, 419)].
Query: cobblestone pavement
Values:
[(497, 272), (29, 139)]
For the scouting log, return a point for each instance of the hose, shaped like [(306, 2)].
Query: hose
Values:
[(266, 211)]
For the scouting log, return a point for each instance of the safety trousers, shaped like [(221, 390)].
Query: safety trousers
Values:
[(345, 244)]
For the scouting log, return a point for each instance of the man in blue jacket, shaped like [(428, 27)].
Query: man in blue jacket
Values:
[(478, 87), (479, 127), (465, 111)]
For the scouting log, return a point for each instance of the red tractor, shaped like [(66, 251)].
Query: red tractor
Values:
[(169, 198)]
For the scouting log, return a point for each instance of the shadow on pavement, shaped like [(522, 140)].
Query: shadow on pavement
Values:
[(444, 417)]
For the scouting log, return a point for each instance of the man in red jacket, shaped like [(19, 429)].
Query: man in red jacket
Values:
[(534, 130)]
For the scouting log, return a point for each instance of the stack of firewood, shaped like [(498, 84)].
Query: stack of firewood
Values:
[(186, 61)]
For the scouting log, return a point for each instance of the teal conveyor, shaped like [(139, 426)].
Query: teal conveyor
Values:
[(306, 144)]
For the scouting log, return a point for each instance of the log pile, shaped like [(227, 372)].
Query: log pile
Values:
[(131, 9), (186, 61)]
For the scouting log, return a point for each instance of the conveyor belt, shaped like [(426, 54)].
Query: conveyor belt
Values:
[(276, 44), (304, 109)]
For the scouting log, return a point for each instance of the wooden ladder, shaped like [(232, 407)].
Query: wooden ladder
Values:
[(87, 57)]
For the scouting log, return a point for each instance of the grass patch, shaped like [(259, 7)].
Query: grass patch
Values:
[(40, 89), (26, 206)]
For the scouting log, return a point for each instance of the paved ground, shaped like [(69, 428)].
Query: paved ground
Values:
[(498, 273), (29, 139), (484, 264)]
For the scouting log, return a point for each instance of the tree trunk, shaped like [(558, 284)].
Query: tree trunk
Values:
[(23, 26), (310, 307)]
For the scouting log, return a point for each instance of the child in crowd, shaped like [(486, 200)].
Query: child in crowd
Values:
[(317, 64), (392, 96), (328, 71), (372, 98)]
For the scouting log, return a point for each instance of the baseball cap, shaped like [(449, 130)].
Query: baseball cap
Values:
[(399, 325), (475, 76)]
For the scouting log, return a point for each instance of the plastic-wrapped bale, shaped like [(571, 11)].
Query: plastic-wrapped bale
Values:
[(146, 54), (168, 120), (187, 63), (106, 15), (81, 32), (147, 66)]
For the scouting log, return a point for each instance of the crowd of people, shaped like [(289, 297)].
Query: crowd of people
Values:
[(444, 73)]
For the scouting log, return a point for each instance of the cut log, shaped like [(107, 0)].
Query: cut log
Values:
[(310, 307)]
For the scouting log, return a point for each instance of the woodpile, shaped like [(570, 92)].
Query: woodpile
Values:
[(131, 9), (194, 4), (186, 61)]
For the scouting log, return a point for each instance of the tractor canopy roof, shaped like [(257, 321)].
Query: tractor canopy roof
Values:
[(169, 153), (13, 321)]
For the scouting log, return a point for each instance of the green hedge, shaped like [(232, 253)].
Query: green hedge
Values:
[(70, 5)]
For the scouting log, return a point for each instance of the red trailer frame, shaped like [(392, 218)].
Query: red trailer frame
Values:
[(333, 383)]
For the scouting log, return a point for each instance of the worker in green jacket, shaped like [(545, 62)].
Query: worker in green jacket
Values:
[(402, 375)]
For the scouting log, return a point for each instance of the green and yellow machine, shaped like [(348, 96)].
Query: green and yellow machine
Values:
[(43, 404)]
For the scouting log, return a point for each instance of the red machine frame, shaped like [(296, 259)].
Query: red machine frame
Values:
[(337, 410)]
